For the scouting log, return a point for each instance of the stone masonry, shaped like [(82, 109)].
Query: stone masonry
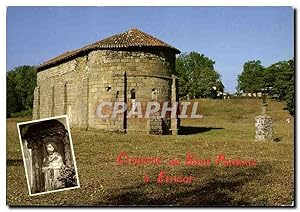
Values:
[(129, 67), (263, 126)]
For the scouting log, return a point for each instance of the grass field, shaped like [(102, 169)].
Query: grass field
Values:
[(227, 127)]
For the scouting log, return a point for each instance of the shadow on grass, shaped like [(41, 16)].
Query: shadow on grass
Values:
[(14, 162), (220, 190), (187, 130)]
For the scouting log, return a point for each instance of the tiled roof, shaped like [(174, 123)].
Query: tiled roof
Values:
[(130, 38)]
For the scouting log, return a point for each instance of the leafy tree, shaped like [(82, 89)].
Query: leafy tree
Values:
[(251, 80), (20, 85), (196, 74), (290, 95), (290, 100), (279, 76), (282, 82), (12, 101)]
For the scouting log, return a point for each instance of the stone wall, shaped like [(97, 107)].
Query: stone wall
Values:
[(76, 87), (59, 91)]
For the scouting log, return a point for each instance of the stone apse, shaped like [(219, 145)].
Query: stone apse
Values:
[(129, 67)]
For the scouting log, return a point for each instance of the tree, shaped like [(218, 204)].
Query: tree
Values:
[(11, 99), (196, 74), (20, 85), (278, 76), (251, 80), (290, 95), (281, 78)]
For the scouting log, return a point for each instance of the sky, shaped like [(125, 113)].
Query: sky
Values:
[(230, 36)]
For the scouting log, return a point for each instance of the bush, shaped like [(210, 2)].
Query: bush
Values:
[(22, 113), (290, 101), (68, 176)]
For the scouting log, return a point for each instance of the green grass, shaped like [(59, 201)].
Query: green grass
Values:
[(227, 127)]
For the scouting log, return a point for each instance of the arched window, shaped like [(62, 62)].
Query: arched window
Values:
[(132, 94), (132, 97), (154, 95)]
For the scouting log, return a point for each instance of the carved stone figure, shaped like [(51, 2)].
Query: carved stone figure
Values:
[(52, 166)]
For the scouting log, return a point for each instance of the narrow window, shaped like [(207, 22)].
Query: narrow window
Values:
[(65, 99), (132, 94), (154, 95), (38, 102), (52, 101), (132, 97)]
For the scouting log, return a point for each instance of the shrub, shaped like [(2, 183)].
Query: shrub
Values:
[(68, 176), (22, 113)]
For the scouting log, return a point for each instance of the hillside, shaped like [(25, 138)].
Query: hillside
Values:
[(227, 128)]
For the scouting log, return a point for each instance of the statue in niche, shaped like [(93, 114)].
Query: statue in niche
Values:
[(52, 166)]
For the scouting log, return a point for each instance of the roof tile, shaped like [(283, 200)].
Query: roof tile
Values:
[(130, 38)]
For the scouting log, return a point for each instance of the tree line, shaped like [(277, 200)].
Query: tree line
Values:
[(276, 81), (20, 84)]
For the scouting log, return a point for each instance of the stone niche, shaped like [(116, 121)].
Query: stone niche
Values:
[(35, 137)]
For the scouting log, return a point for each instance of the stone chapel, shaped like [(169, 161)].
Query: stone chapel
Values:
[(131, 67)]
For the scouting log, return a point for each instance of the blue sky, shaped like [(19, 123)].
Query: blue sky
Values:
[(228, 35)]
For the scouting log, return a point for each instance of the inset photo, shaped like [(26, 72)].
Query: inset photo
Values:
[(48, 155)]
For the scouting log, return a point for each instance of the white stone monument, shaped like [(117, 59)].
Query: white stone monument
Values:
[(263, 125)]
